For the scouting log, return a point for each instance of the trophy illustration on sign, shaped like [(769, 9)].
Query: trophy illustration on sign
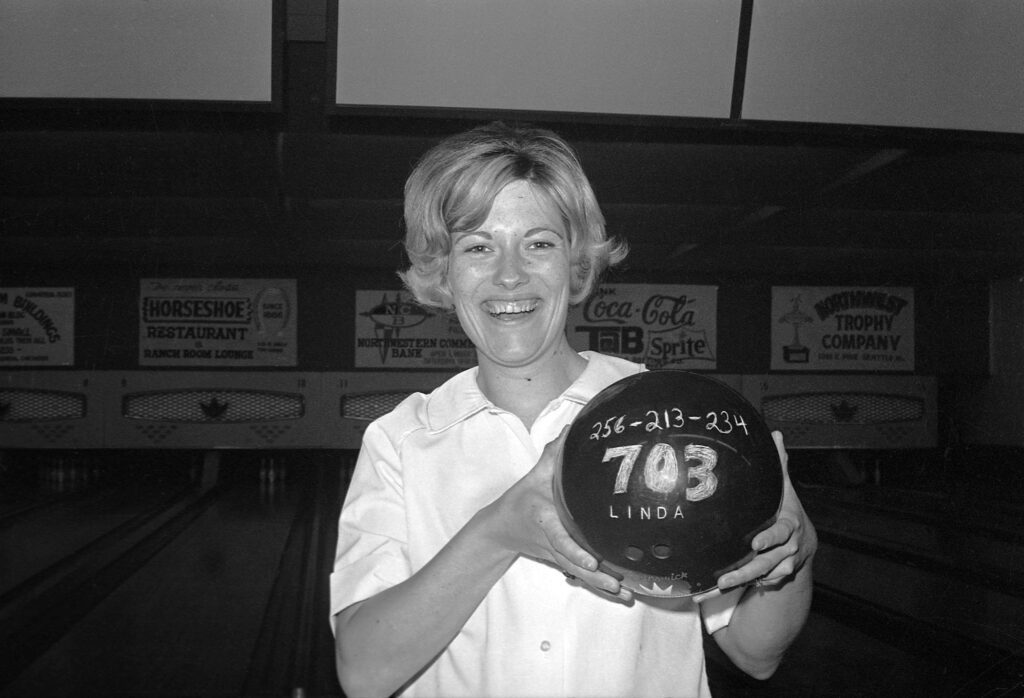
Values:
[(795, 352)]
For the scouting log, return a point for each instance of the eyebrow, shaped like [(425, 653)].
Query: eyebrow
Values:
[(486, 234), (459, 234)]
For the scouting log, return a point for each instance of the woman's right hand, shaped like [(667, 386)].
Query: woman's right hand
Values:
[(528, 524)]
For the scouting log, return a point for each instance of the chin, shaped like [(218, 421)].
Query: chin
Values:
[(511, 356), (513, 360)]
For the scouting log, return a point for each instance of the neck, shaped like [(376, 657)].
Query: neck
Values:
[(526, 390)]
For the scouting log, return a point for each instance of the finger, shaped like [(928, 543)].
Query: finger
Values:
[(784, 570), (552, 452), (780, 446), (705, 595), (774, 536), (558, 443), (565, 547), (762, 566), (577, 558), (591, 577), (624, 595), (608, 586)]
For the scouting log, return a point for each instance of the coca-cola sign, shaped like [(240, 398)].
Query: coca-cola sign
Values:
[(670, 326)]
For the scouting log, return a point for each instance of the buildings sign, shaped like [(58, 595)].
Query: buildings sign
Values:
[(37, 326)]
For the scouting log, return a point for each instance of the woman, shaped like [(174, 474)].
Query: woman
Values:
[(454, 575)]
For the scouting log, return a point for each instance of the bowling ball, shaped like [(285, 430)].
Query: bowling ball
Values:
[(666, 477)]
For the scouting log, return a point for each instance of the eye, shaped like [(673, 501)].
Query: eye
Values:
[(470, 245), (545, 241)]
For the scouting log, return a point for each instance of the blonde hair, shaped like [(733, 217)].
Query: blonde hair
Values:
[(453, 187)]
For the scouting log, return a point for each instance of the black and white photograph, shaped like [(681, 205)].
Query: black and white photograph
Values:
[(511, 348)]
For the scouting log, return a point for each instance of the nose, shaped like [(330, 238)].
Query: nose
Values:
[(511, 271)]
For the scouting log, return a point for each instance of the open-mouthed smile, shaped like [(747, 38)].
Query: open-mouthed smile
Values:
[(507, 308)]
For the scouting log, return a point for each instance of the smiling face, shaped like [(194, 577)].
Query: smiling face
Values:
[(510, 280)]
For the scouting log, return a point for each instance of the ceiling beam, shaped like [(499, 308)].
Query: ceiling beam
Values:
[(761, 214)]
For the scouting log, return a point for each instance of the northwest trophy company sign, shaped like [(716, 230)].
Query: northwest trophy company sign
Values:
[(842, 328)]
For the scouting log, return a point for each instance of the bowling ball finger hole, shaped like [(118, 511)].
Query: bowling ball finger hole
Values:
[(661, 551)]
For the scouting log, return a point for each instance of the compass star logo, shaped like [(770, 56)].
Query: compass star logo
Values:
[(390, 317)]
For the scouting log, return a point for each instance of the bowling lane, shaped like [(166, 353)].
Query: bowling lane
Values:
[(186, 622), (831, 659), (33, 480), (226, 609), (46, 536)]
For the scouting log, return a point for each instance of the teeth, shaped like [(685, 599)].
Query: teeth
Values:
[(510, 307)]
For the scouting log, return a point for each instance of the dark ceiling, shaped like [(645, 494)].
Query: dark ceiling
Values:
[(97, 186)]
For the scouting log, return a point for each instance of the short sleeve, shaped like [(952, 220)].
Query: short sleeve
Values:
[(372, 537), (717, 609)]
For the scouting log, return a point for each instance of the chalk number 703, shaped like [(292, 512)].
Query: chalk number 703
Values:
[(661, 468)]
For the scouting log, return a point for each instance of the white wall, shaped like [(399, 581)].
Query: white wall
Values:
[(653, 57), (214, 50), (948, 64)]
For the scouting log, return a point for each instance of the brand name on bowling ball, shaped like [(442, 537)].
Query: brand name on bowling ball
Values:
[(661, 473), (721, 421)]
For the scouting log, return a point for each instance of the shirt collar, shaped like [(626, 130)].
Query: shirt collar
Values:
[(455, 400), (601, 371), (460, 397)]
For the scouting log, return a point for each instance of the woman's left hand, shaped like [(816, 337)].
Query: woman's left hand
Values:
[(784, 547)]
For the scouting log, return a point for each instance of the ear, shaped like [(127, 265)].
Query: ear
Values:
[(579, 289)]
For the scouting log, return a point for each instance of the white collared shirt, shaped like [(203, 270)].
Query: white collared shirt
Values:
[(424, 470)]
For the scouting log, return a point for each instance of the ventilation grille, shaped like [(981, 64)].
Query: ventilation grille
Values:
[(30, 405), (213, 406), (841, 407), (370, 406)]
